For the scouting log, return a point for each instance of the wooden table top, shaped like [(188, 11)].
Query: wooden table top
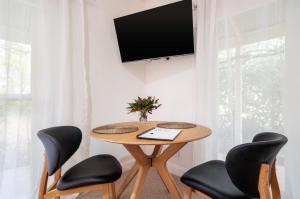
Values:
[(187, 135)]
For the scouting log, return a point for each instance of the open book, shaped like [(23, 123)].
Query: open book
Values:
[(160, 134)]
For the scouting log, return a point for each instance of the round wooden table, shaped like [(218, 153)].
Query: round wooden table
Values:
[(157, 159)]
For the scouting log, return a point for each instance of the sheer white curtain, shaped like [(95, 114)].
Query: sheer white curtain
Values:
[(240, 60), (16, 30), (60, 73), (292, 97), (44, 82), (61, 82)]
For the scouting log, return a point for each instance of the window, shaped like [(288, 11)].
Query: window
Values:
[(249, 94), (15, 104), (17, 29)]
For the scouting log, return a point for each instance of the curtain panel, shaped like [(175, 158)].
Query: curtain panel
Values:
[(44, 82), (240, 60), (16, 29)]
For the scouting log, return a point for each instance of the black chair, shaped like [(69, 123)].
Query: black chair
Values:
[(247, 173), (95, 173)]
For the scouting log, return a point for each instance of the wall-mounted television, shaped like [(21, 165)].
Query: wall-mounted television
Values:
[(159, 32)]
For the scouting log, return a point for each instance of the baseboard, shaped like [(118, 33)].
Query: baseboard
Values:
[(127, 163)]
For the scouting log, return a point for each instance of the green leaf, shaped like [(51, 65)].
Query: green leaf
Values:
[(144, 105)]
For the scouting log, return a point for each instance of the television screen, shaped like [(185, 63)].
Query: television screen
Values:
[(159, 32)]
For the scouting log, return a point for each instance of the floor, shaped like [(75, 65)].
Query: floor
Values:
[(153, 189)]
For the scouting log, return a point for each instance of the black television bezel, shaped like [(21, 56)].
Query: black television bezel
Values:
[(157, 57)]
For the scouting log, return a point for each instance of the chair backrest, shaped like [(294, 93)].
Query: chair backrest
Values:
[(60, 144), (243, 162)]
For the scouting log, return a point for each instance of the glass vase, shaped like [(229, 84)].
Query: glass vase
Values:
[(143, 118)]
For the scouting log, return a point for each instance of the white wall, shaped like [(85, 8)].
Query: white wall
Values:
[(113, 84), (174, 83)]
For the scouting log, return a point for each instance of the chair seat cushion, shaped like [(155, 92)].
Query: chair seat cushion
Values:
[(212, 179), (99, 169)]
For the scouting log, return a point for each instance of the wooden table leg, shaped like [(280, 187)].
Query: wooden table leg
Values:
[(131, 174), (141, 176), (157, 150), (144, 163), (160, 163)]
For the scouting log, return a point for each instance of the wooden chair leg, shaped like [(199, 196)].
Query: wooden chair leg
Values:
[(263, 183), (105, 191), (113, 191), (274, 183), (187, 194), (202, 195), (57, 176), (55, 192), (44, 180)]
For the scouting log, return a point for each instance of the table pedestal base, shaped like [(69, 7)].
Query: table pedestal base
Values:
[(140, 169)]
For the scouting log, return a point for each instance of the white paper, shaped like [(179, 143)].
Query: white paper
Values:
[(161, 134)]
